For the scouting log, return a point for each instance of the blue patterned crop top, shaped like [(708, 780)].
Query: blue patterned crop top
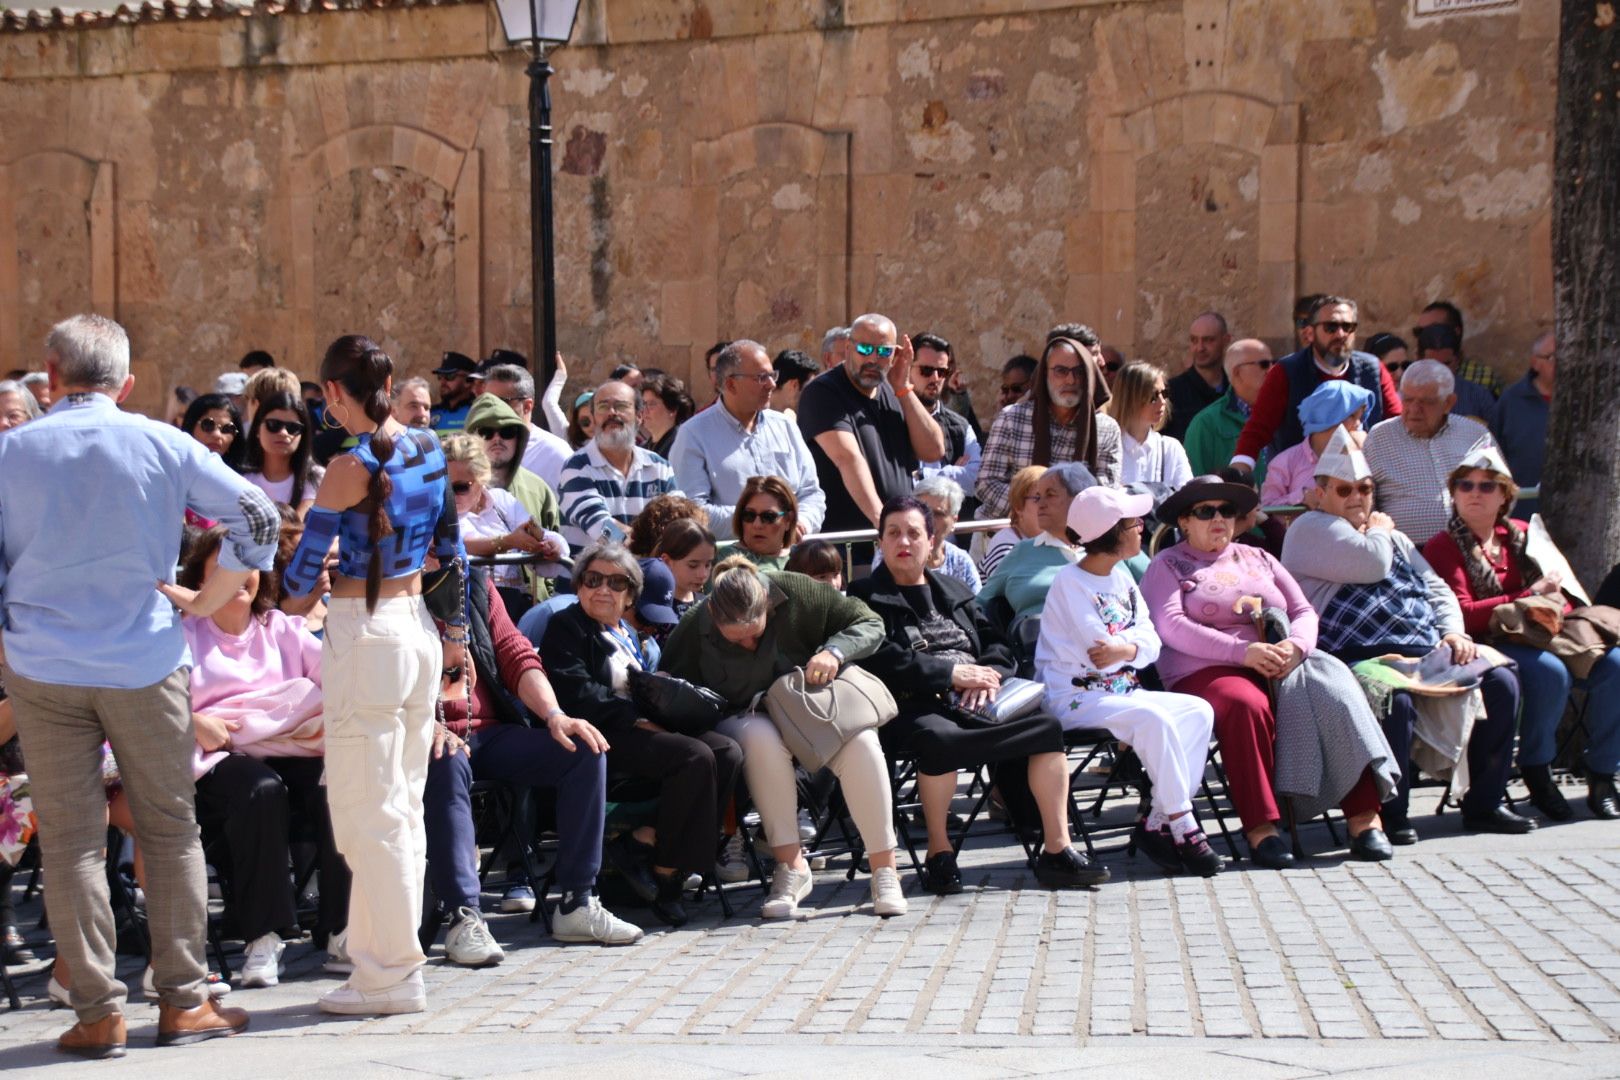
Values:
[(421, 507)]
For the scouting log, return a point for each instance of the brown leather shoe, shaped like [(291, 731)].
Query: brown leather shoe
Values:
[(104, 1038), (177, 1026)]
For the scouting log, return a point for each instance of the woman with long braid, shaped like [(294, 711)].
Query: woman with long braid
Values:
[(386, 502)]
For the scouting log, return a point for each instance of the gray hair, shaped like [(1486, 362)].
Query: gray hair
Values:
[(414, 380), (942, 487), (610, 552), (1546, 337), (511, 373), (24, 395), (91, 351), (39, 378), (1073, 475), (830, 340), (738, 593), (1429, 373), (731, 357)]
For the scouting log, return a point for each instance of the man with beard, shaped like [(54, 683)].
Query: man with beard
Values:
[(931, 374), (604, 486), (866, 428), (1274, 421), (458, 385)]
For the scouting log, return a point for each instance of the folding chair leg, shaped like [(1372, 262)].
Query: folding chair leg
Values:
[(1215, 806), (1293, 828), (218, 947), (10, 988)]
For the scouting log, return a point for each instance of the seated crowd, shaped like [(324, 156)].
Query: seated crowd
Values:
[(1312, 565)]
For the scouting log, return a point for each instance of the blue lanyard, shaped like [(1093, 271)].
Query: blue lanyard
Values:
[(629, 642)]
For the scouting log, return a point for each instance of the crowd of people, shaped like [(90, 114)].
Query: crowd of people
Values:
[(370, 600)]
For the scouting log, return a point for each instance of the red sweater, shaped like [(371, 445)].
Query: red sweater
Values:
[(1270, 406), (1447, 559), (514, 655)]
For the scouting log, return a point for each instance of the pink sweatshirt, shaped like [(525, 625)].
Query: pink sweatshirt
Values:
[(1192, 595), (1289, 475), (271, 652)]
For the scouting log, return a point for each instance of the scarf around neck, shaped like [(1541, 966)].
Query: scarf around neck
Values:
[(1482, 579)]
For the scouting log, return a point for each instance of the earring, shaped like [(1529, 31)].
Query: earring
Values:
[(328, 415)]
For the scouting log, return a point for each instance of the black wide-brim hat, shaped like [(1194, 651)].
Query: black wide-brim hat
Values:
[(1207, 488)]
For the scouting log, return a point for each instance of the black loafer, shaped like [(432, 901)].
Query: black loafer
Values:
[(1158, 846), (628, 860), (1371, 845), (1400, 831), (667, 905), (1601, 798), (1070, 869), (1544, 793), (1501, 820), (940, 874), (1271, 854), (13, 949)]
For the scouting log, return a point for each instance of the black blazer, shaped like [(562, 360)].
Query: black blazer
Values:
[(576, 660), (906, 670)]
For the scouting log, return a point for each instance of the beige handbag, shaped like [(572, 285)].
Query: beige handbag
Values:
[(816, 722)]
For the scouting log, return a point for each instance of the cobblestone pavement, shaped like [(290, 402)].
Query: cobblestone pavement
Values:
[(1460, 945)]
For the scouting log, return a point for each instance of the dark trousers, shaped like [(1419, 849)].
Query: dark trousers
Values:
[(696, 778), (944, 740), (528, 757), (252, 803), (1490, 746)]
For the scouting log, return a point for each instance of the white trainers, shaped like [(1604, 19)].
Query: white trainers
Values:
[(732, 866), (518, 899), (469, 942), (788, 887), (262, 964), (591, 922), (807, 826), (887, 898), (337, 959), (217, 987), (403, 997)]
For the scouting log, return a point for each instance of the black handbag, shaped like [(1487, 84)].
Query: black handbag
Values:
[(675, 704), (445, 592)]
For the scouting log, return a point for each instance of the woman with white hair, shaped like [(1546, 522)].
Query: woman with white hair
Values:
[(943, 497), (17, 405)]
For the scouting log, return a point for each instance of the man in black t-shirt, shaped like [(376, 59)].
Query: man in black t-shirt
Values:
[(865, 427)]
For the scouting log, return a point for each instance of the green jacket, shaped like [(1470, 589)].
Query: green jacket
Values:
[(1213, 435), (803, 617), (535, 494)]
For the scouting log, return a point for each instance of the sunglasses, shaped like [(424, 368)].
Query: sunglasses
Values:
[(928, 372), (1263, 365), (1209, 512), (1344, 489), (509, 432), (291, 427), (462, 487), (1398, 367), (209, 426), (1484, 487), (764, 517), (595, 579), (1332, 327), (1159, 395), (883, 351)]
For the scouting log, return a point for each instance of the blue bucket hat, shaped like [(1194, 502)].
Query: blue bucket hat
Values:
[(1331, 404)]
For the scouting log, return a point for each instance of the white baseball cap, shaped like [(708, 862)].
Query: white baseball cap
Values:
[(1097, 509)]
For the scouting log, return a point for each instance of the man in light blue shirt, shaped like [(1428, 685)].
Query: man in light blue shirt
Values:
[(717, 450), (91, 504)]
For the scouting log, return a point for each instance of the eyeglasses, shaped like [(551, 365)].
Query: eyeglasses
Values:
[(1332, 327), (626, 407), (764, 517), (883, 351), (1013, 389), (462, 487), (764, 378), (1399, 366), (1484, 487), (509, 432), (291, 427), (1344, 490), (594, 579), (930, 372), (208, 426), (1065, 373), (1263, 365), (1159, 395), (1209, 512)]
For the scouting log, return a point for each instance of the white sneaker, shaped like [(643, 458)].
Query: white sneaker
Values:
[(807, 826), (217, 987), (591, 922), (518, 899), (337, 954), (262, 965), (403, 997), (887, 898), (788, 887), (469, 942), (732, 866)]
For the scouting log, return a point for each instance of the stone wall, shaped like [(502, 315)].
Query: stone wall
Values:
[(982, 168)]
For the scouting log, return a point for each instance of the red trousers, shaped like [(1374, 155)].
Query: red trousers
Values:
[(1247, 731)]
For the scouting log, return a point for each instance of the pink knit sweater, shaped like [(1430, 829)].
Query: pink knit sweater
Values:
[(1193, 594)]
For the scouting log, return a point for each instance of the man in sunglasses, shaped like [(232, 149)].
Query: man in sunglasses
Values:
[(458, 385), (545, 452), (1204, 381), (1274, 421), (719, 449), (1445, 313), (865, 426), (506, 437), (1213, 433), (608, 482), (931, 373)]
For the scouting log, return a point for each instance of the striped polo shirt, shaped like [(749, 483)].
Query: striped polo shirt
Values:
[(593, 492)]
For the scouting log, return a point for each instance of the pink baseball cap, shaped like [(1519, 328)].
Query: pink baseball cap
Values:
[(1097, 509)]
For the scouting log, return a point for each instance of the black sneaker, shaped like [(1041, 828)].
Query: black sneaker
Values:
[(1158, 846), (667, 905), (940, 875), (1069, 869), (629, 860), (1197, 857)]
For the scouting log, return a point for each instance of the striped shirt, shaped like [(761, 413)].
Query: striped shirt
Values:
[(594, 493), (1411, 472)]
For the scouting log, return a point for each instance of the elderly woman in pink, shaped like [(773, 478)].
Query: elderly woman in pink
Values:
[(1291, 475), (1237, 631)]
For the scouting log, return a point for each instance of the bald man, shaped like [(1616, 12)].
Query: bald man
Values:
[(1214, 432)]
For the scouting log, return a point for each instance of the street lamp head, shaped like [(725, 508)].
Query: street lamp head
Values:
[(547, 21)]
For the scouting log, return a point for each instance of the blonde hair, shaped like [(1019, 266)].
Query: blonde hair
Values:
[(1023, 482), (266, 383), (739, 593), (469, 450), (1133, 389)]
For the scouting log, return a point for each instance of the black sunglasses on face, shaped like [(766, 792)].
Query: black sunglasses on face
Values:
[(1399, 366), (291, 427), (1209, 512), (462, 487), (929, 372), (595, 579), (1332, 327), (767, 517), (509, 432), (208, 426)]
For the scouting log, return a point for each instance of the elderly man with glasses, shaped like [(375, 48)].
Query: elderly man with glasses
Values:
[(719, 449), (1331, 354), (607, 483)]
